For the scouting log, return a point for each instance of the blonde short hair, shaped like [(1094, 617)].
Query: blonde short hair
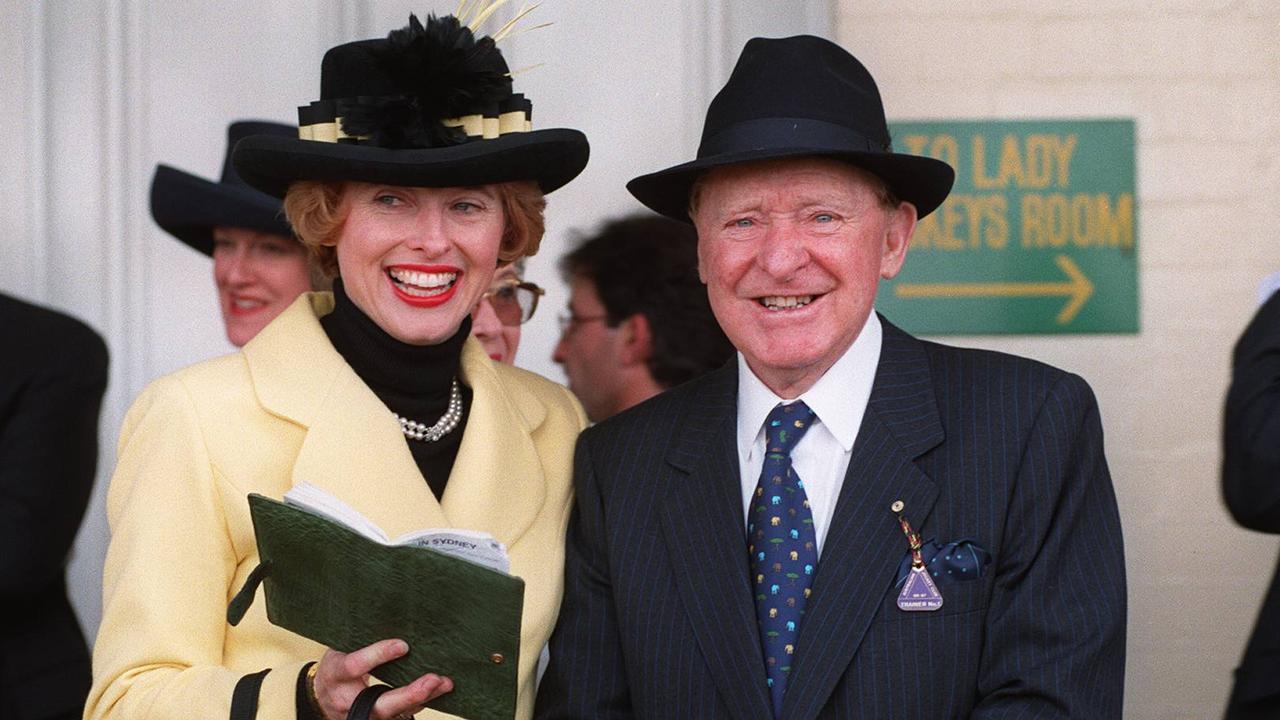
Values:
[(314, 209)]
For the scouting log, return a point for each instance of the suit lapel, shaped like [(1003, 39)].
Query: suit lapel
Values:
[(865, 544), (706, 541), (354, 449), (497, 483)]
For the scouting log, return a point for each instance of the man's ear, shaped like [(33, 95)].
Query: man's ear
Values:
[(899, 226), (635, 339)]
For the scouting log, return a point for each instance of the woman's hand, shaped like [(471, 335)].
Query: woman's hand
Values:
[(341, 676)]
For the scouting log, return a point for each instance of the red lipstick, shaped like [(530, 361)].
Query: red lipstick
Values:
[(429, 300)]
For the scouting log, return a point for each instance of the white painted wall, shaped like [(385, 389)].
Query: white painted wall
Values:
[(103, 90), (1200, 80)]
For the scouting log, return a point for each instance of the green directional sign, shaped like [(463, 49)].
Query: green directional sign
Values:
[(1039, 234)]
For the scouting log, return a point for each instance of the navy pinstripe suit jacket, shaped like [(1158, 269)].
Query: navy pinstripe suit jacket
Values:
[(658, 619)]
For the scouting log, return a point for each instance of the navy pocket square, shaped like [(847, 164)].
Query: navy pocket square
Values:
[(959, 561)]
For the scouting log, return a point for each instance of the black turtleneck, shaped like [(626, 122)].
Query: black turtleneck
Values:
[(412, 380)]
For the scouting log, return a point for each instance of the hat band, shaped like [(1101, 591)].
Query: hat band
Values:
[(778, 133), (476, 127), (320, 121)]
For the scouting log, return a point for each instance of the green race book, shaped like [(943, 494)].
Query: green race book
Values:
[(340, 588)]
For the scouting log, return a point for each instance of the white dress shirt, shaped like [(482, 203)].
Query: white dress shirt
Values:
[(839, 399)]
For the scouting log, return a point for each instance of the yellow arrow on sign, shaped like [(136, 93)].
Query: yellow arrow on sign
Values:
[(1077, 288)]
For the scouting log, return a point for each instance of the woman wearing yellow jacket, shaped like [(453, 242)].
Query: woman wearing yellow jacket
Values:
[(414, 176)]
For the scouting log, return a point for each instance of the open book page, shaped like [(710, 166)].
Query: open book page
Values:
[(473, 546), (320, 502), (478, 547)]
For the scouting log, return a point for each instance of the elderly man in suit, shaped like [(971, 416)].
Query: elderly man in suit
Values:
[(848, 521)]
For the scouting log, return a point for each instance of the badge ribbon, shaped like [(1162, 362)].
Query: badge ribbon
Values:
[(919, 593)]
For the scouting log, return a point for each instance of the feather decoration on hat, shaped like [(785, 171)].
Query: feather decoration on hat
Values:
[(444, 71)]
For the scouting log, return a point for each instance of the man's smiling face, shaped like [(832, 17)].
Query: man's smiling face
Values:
[(792, 252)]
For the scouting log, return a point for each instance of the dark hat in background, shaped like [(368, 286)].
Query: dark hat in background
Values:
[(189, 207), (794, 97), (430, 105)]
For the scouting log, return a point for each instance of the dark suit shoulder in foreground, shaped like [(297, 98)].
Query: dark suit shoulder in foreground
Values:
[(1251, 424), (1251, 487), (53, 374)]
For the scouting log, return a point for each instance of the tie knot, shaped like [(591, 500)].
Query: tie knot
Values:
[(785, 426)]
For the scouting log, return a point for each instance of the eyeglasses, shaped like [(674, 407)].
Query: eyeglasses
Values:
[(569, 322), (514, 301)]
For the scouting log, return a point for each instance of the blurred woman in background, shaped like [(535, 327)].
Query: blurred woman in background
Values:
[(259, 268)]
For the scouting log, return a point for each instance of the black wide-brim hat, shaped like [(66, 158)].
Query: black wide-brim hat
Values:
[(429, 106), (799, 96), (189, 207)]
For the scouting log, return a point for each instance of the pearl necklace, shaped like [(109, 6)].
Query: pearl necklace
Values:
[(445, 425)]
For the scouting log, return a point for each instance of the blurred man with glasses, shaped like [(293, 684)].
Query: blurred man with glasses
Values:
[(638, 320)]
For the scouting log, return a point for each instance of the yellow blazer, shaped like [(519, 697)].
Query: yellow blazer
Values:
[(285, 409)]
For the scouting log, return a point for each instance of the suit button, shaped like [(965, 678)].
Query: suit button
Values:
[(497, 658)]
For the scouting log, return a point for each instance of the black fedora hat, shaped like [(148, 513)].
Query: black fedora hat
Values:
[(792, 97), (430, 105), (189, 207)]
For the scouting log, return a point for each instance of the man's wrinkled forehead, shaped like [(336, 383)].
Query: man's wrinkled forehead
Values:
[(742, 173)]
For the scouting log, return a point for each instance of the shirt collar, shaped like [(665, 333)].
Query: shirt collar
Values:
[(839, 398)]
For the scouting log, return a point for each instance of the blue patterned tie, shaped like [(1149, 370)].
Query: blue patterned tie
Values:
[(781, 541)]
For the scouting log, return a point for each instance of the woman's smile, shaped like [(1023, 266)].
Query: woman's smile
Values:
[(424, 285)]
